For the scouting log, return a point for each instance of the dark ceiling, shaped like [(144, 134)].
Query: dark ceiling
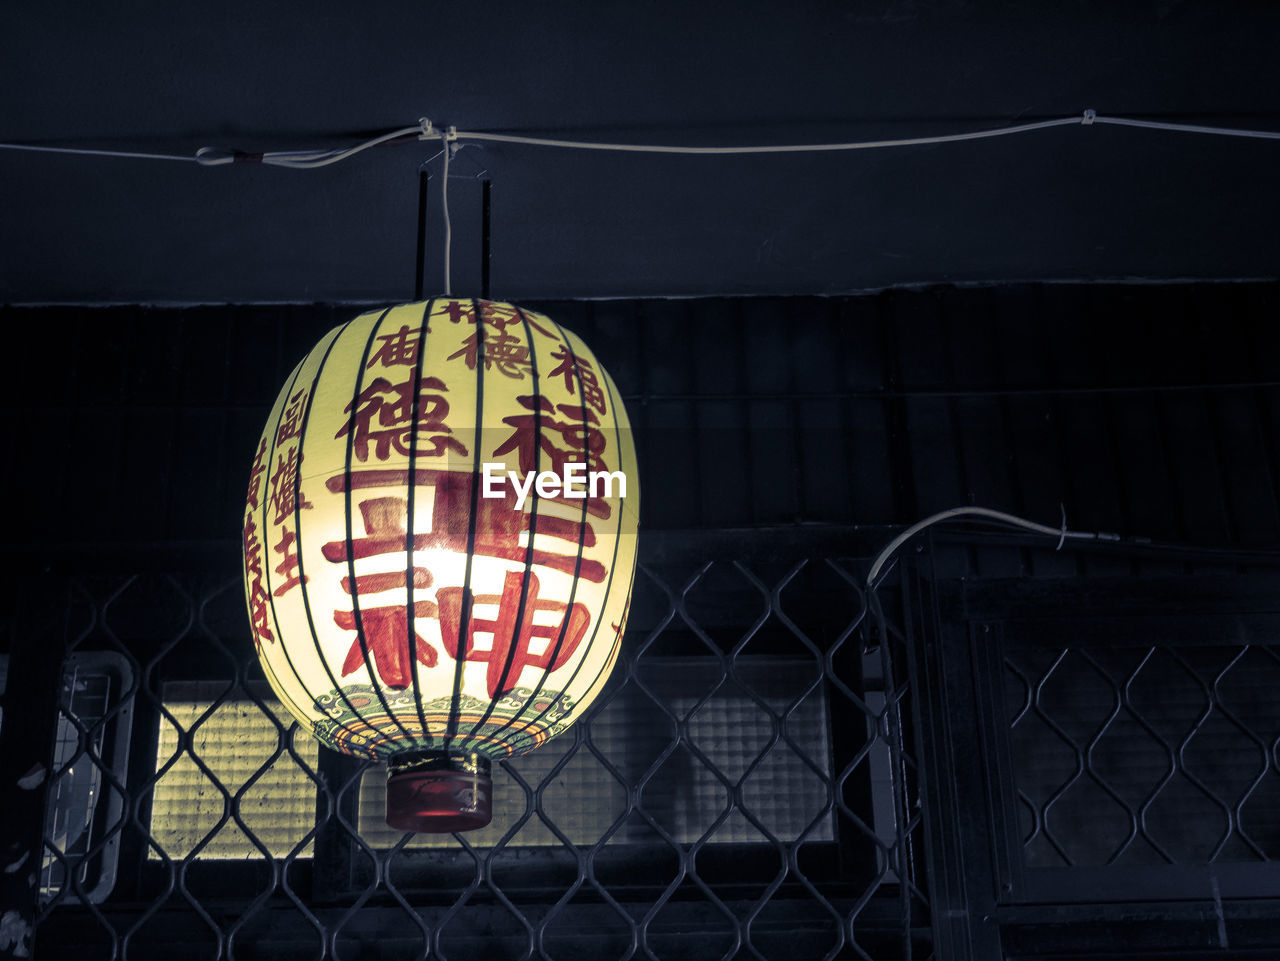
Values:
[(1071, 203)]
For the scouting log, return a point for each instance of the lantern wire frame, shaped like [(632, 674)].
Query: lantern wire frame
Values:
[(491, 733)]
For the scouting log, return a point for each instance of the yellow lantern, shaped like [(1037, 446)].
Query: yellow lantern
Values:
[(439, 544)]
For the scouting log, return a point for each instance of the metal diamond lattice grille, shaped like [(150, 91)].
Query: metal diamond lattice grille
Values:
[(231, 755), (1146, 755), (584, 799), (746, 785)]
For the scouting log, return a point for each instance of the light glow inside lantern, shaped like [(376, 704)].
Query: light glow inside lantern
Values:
[(404, 609)]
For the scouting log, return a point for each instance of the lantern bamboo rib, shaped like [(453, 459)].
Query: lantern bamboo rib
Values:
[(357, 615), (455, 702), (424, 328), (423, 130)]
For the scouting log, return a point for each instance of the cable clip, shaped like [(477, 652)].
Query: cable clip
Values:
[(214, 156), (1089, 117), (217, 156), (425, 130), (1062, 535)]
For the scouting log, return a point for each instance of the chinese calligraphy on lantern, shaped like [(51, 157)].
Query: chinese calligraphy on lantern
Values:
[(581, 441), (384, 631), (256, 590), (575, 369), (438, 510), (397, 350), (500, 350), (497, 533), (392, 406), (493, 314), (513, 630)]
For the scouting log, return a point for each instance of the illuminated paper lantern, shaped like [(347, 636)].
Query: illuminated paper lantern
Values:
[(439, 544)]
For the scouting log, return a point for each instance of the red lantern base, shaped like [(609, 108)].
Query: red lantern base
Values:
[(439, 793)]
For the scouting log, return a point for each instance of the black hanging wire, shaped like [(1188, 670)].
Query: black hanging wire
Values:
[(486, 248), (486, 234), (424, 191)]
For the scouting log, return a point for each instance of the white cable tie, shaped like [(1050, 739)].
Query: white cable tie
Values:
[(214, 156), (1062, 538), (217, 156), (1089, 117)]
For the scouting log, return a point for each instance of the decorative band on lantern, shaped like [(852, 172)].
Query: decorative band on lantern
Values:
[(400, 609)]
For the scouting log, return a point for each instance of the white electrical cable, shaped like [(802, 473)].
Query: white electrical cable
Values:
[(1190, 128), (83, 152), (1061, 533), (311, 159), (218, 156), (778, 148), (444, 205), (306, 159)]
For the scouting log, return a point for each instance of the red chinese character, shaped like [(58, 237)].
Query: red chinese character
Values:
[(513, 630), (392, 405), (493, 314), (255, 474), (574, 367), (533, 431), (505, 315), (509, 354), (458, 312), (259, 618), (385, 629), (397, 349), (498, 314), (289, 566), (291, 422), (286, 495), (497, 530), (617, 627), (584, 443)]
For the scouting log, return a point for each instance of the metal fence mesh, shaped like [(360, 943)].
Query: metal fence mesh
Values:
[(1146, 755), (745, 787)]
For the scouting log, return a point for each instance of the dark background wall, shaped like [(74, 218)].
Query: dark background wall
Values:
[(1072, 203), (771, 432), (1143, 410)]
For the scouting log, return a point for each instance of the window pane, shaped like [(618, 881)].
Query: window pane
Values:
[(83, 811), (234, 743), (684, 795)]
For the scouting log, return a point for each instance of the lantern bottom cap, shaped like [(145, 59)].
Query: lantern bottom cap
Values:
[(439, 802)]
